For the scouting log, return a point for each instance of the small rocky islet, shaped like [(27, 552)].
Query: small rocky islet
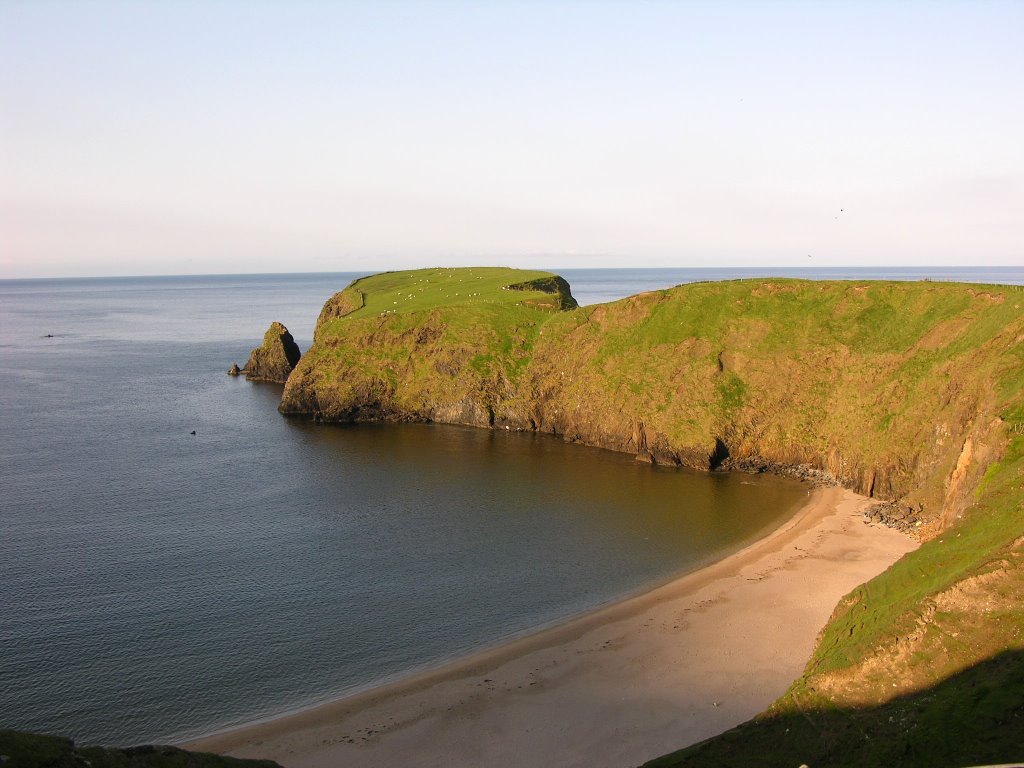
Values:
[(273, 360)]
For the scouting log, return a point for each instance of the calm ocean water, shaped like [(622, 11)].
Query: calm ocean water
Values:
[(156, 585)]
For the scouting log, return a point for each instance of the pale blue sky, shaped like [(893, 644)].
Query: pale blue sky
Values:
[(197, 137)]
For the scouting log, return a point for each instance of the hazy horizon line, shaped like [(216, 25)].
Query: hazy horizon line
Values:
[(759, 268)]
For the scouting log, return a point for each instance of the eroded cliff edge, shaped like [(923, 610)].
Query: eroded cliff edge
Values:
[(889, 387)]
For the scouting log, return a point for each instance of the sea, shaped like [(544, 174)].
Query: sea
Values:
[(177, 558)]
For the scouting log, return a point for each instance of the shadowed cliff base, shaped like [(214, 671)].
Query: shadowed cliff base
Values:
[(31, 750), (974, 717)]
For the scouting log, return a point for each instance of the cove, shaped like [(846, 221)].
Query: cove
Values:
[(414, 544), (333, 558), (159, 585)]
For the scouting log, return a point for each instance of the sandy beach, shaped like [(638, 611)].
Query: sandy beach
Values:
[(617, 686)]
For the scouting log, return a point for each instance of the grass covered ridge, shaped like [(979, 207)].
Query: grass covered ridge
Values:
[(888, 386), (912, 392), (425, 344), (417, 290)]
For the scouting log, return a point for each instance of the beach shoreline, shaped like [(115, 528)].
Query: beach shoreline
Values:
[(618, 685)]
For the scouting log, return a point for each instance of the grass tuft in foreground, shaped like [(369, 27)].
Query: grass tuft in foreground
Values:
[(30, 750)]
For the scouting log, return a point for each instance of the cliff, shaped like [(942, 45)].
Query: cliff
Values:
[(909, 392), (444, 345), (886, 386), (275, 358)]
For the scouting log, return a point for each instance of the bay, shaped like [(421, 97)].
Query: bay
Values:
[(157, 585)]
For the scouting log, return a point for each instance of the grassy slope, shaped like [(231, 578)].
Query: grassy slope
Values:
[(428, 289), (907, 390), (921, 666), (423, 344), (881, 383)]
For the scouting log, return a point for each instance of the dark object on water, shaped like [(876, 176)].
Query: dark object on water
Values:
[(48, 336), (192, 432), (234, 370)]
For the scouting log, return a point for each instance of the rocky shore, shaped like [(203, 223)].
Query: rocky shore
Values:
[(892, 515), (817, 478)]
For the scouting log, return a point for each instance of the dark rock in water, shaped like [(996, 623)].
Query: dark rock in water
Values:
[(274, 359), (234, 370)]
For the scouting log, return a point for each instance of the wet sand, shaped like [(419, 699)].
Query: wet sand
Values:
[(617, 686)]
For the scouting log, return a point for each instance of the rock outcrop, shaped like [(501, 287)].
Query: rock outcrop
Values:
[(275, 358), (558, 293), (30, 750)]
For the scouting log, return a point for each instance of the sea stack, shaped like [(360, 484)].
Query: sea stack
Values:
[(274, 359)]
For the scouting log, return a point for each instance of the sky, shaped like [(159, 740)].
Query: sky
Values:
[(241, 137)]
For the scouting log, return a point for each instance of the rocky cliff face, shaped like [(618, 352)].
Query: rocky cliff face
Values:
[(880, 385), (275, 358)]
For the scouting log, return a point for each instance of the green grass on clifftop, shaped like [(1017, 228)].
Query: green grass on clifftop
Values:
[(426, 289), (398, 344)]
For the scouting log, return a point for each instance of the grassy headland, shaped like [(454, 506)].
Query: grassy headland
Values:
[(910, 392)]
